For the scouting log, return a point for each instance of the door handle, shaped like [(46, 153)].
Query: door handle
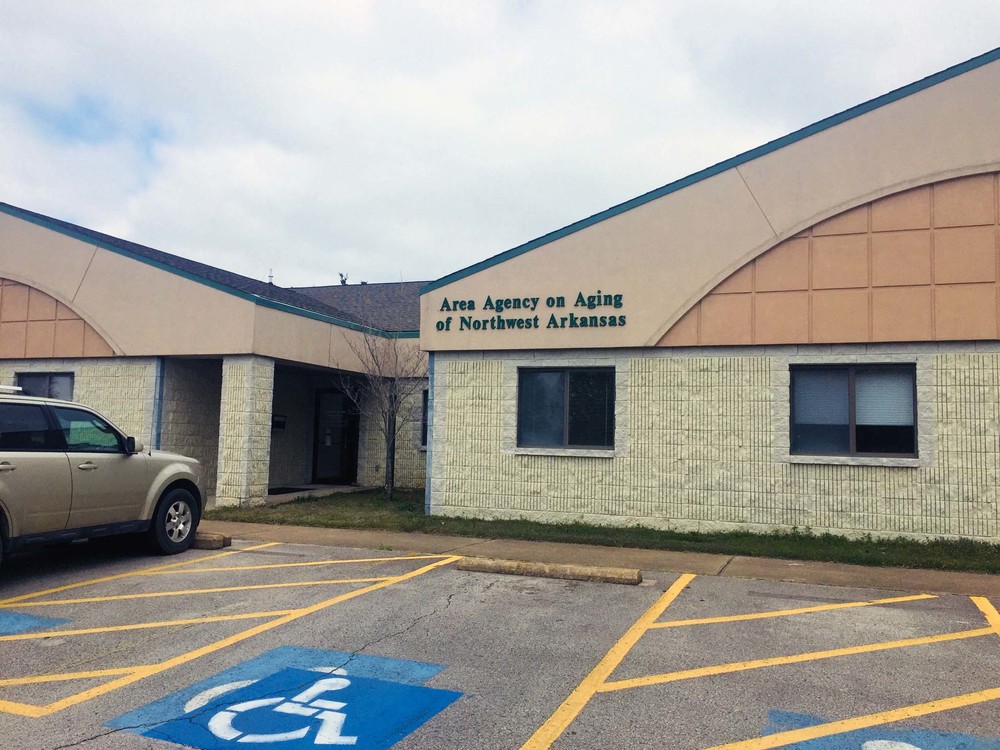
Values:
[(88, 466), (7, 466)]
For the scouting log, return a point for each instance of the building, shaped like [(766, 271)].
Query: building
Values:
[(246, 376), (802, 336)]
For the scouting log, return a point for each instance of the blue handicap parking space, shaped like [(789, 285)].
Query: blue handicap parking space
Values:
[(12, 623), (875, 738), (295, 698)]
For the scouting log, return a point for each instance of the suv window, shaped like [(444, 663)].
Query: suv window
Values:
[(23, 427), (87, 433)]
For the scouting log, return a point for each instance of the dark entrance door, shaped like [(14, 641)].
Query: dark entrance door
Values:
[(335, 455)]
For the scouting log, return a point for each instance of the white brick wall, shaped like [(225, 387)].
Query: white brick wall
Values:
[(245, 430), (702, 444)]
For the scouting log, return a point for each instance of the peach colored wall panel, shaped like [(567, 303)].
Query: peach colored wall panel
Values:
[(14, 302), (33, 325), (12, 338), (840, 262), (786, 268), (965, 254), (963, 312), (907, 278), (726, 318), (901, 258), (910, 209), (965, 202), (738, 283), (40, 306), (40, 341), (902, 314), (685, 331), (781, 317), (69, 338), (839, 315), (854, 221)]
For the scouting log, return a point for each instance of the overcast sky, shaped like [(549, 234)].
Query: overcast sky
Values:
[(406, 140)]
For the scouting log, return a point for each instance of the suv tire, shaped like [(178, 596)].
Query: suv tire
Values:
[(174, 522)]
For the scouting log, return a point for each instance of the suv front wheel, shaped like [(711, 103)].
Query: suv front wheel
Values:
[(174, 521)]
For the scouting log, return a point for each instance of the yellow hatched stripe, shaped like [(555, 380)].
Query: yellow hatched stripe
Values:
[(551, 730), (40, 678), (312, 563), (743, 666), (989, 611), (789, 612), (783, 739), (157, 594), (132, 574)]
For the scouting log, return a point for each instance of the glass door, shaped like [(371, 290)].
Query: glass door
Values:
[(335, 456)]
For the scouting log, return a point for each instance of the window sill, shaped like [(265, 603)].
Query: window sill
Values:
[(574, 452), (903, 461)]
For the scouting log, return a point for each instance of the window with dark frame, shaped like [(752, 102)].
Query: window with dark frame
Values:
[(47, 384), (423, 421), (566, 407), (853, 410)]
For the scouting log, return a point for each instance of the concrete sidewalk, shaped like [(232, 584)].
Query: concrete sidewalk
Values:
[(831, 574)]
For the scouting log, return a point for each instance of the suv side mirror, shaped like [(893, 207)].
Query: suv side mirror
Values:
[(131, 446)]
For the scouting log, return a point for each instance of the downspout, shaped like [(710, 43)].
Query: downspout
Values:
[(158, 406)]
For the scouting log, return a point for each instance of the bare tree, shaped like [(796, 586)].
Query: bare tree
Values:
[(387, 392)]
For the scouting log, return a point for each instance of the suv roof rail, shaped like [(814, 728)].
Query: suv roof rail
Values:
[(11, 389)]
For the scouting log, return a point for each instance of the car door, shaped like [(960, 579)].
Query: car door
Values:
[(35, 483), (109, 484)]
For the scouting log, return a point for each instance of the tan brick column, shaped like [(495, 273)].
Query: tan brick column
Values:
[(245, 430)]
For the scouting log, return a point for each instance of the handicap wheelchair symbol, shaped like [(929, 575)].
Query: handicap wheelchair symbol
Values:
[(296, 709), (308, 703)]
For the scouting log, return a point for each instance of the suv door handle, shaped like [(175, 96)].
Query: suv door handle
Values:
[(7, 466), (88, 466)]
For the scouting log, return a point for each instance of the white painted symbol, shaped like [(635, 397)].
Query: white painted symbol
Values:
[(888, 745), (308, 703)]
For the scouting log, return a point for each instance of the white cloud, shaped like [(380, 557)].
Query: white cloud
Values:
[(407, 140)]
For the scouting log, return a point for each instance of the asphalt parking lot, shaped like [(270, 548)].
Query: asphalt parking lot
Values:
[(292, 646)]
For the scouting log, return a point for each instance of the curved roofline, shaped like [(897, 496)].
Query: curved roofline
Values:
[(722, 166), (84, 235)]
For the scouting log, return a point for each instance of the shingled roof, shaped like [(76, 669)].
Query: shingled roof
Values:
[(393, 306), (226, 280)]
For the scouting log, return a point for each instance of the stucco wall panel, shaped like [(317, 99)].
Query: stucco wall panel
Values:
[(41, 258), (35, 325), (867, 284)]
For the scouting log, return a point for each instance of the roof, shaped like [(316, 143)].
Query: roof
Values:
[(723, 166), (393, 306), (259, 292)]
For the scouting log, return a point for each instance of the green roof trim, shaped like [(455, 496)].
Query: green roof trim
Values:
[(257, 299), (722, 166)]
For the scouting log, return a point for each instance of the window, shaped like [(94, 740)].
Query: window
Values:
[(47, 384), (87, 433), (854, 410), (423, 422), (23, 427), (566, 407)]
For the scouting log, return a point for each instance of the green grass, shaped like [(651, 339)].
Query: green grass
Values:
[(405, 512)]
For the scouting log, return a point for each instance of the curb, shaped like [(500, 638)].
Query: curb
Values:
[(627, 576), (211, 540)]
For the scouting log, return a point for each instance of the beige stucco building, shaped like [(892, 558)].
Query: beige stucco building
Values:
[(248, 377), (805, 335)]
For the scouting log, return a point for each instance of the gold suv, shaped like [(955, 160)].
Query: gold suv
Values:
[(67, 473)]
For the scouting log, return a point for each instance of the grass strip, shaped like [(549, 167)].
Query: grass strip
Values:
[(405, 512)]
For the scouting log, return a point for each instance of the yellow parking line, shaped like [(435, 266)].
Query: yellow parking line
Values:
[(39, 678), (156, 594), (313, 563), (146, 625), (989, 611), (788, 612), (550, 731), (783, 739), (131, 574), (152, 669), (743, 666)]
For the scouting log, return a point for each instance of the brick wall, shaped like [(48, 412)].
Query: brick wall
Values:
[(245, 430), (123, 389), (190, 412), (292, 447), (702, 444), (410, 457)]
